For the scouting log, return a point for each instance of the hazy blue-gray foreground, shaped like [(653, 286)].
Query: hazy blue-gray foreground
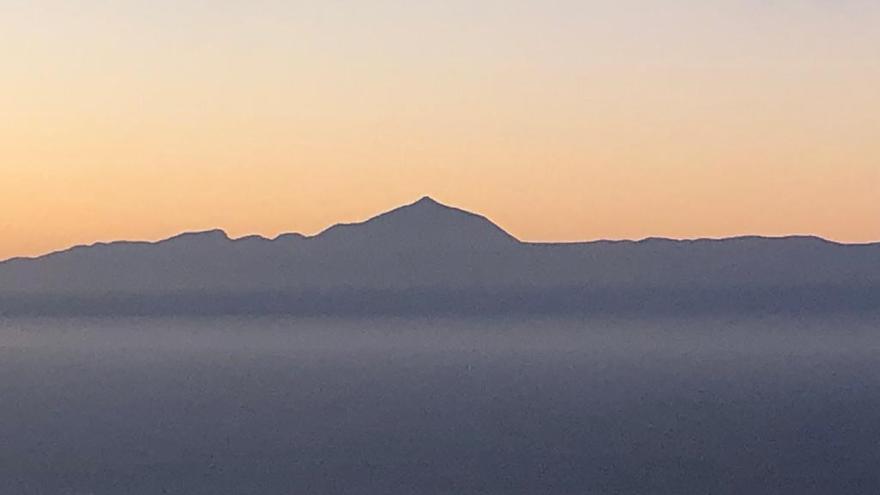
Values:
[(440, 406)]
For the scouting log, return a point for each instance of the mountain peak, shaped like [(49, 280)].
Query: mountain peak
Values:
[(424, 224), (427, 201), (424, 203)]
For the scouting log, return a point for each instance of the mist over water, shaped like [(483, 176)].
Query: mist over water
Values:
[(435, 406)]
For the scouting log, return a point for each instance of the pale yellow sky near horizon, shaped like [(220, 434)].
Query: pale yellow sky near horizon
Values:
[(559, 120)]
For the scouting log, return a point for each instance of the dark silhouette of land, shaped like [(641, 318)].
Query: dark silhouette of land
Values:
[(427, 258)]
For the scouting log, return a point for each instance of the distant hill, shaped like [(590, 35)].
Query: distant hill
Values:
[(428, 258)]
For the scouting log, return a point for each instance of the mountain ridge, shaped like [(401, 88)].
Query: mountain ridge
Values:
[(429, 258), (220, 234)]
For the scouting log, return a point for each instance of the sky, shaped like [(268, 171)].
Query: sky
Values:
[(558, 119)]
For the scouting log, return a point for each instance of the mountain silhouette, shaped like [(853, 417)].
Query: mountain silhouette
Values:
[(423, 225), (430, 258)]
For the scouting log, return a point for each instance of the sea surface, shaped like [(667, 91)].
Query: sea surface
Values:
[(723, 405)]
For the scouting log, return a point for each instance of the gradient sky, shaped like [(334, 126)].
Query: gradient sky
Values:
[(560, 120)]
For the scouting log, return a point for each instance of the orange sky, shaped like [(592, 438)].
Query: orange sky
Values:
[(559, 120)]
